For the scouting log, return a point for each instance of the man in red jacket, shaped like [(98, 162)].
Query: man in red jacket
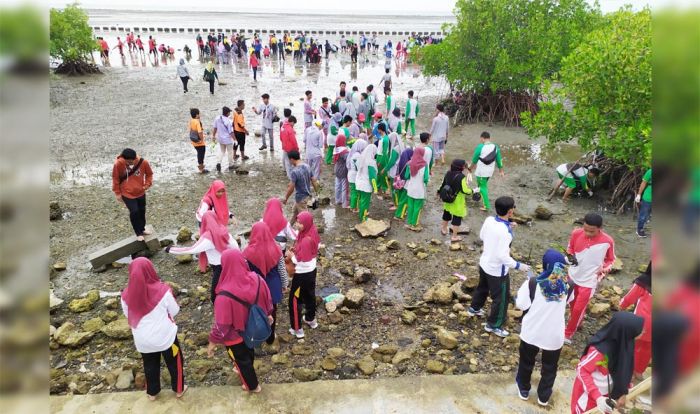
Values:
[(289, 142), (131, 177)]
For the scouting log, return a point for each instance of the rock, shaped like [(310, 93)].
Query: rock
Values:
[(335, 352), (520, 219), (618, 290), (124, 379), (260, 367), (447, 339), (422, 255), (366, 365), (93, 325), (68, 335), (471, 283), (387, 349), (455, 246), (435, 367), (617, 265), (393, 245), (109, 316), (54, 301), (402, 356), (59, 266), (436, 242), (354, 298), (457, 307), (543, 213), (300, 349), (599, 309), (52, 330), (372, 228), (329, 364), (362, 274), (199, 368), (184, 258), (425, 343), (324, 201), (112, 303), (408, 317), (166, 242), (55, 212), (642, 268), (280, 359), (306, 374), (515, 313), (140, 381), (457, 292), (440, 294), (184, 234), (335, 318), (118, 329), (86, 303), (174, 287), (411, 245)]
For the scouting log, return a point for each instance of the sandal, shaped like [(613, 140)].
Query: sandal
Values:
[(444, 233)]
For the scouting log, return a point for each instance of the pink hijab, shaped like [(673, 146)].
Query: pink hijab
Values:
[(220, 203), (274, 217), (262, 251), (308, 239), (216, 232), (417, 160), (143, 291)]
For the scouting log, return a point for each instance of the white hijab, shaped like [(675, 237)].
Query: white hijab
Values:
[(367, 159)]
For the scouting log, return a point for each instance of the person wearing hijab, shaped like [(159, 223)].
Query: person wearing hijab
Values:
[(607, 364), (331, 137), (214, 239), (184, 74), (383, 157), (394, 120), (366, 180), (215, 200), (455, 211), (150, 307), (352, 161), (400, 182), (397, 147), (303, 290), (544, 299), (210, 76), (340, 158), (230, 316), (273, 216), (640, 296), (416, 176), (265, 258)]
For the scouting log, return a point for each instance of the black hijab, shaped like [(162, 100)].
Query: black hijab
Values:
[(616, 341), (644, 279)]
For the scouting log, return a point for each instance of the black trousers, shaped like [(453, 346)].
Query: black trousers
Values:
[(173, 360), (211, 86), (271, 339), (215, 275), (550, 363), (302, 292), (201, 150), (243, 359), (137, 213), (240, 141), (184, 80), (498, 288), (255, 73)]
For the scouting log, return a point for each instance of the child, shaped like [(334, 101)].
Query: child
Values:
[(197, 139), (411, 111), (215, 200), (456, 210), (394, 121), (640, 296), (352, 164), (401, 197), (417, 176), (366, 180), (383, 156), (487, 156), (303, 290), (150, 307), (340, 155), (397, 147)]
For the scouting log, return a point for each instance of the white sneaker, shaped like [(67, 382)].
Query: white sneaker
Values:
[(298, 333), (543, 404), (312, 324), (567, 341)]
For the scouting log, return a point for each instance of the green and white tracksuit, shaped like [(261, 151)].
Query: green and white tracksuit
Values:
[(415, 192), (412, 110), (485, 171)]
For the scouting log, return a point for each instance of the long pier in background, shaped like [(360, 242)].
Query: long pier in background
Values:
[(193, 30)]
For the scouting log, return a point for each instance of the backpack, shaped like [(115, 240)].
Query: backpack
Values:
[(531, 284), (490, 157), (447, 191), (257, 327)]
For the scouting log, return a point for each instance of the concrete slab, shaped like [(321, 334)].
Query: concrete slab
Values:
[(434, 394), (124, 248)]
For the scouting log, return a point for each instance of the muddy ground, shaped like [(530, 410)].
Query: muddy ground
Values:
[(94, 118)]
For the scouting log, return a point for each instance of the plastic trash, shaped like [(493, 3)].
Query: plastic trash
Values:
[(375, 345), (334, 297), (459, 276)]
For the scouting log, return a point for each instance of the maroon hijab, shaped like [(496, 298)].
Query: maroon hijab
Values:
[(143, 291), (237, 278), (262, 251)]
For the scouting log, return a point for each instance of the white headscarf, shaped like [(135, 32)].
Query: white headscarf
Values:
[(367, 159), (396, 143), (356, 148)]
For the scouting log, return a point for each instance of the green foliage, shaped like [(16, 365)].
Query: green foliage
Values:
[(23, 34), (608, 80), (71, 37), (508, 45)]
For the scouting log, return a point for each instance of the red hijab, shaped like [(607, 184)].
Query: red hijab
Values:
[(216, 232), (220, 204), (262, 251), (237, 278), (308, 239), (340, 147), (274, 217), (417, 160), (143, 291)]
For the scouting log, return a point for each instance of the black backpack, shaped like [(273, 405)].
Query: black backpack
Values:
[(257, 327), (447, 192), (490, 157)]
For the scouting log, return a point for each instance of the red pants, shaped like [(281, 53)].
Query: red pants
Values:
[(581, 297), (642, 356)]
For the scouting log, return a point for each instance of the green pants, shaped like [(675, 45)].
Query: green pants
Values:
[(415, 206), (329, 154), (363, 201), (411, 123), (353, 196), (483, 183), (382, 182), (402, 204), (394, 192)]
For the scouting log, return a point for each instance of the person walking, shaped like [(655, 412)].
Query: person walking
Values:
[(150, 309), (223, 134), (340, 155), (455, 211), (487, 156), (383, 156), (216, 200), (300, 182), (352, 166), (210, 76), (309, 111), (184, 74), (543, 298), (412, 111), (254, 63), (366, 180), (397, 147), (197, 139), (643, 199), (494, 263), (303, 289), (416, 176), (131, 178), (269, 113), (280, 228), (439, 130), (313, 142), (239, 130), (400, 184), (239, 288), (288, 138)]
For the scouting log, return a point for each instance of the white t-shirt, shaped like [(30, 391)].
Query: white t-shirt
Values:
[(156, 330), (495, 260), (543, 326), (483, 170)]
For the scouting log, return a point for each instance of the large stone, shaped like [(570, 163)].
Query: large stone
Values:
[(372, 228), (124, 379), (408, 317), (123, 248), (362, 274), (387, 349), (118, 329), (354, 298), (93, 325), (280, 359), (184, 258), (54, 301), (109, 316), (599, 309), (459, 294), (366, 365), (447, 339), (329, 364), (402, 356), (300, 349), (440, 294), (543, 213), (422, 255), (336, 352), (184, 235), (435, 367), (306, 374), (68, 335), (516, 218), (86, 303), (55, 212), (393, 245), (199, 368)]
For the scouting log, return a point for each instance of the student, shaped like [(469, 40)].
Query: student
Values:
[(377, 117), (340, 155), (288, 138), (429, 153), (254, 64), (210, 76), (643, 198), (231, 316), (150, 307), (439, 130), (594, 251), (214, 239), (119, 45), (401, 197), (265, 258), (223, 133), (184, 74), (280, 228), (366, 180), (342, 86), (309, 111), (412, 110), (300, 183), (605, 369), (313, 142), (303, 290), (394, 121), (494, 263), (345, 130), (358, 126), (640, 295), (152, 47), (386, 83), (544, 299), (131, 178), (487, 156), (383, 156), (326, 114), (416, 177), (268, 112), (575, 176), (215, 200), (139, 43), (197, 139), (331, 137), (456, 210), (397, 147), (352, 165), (364, 112), (354, 128), (239, 130)]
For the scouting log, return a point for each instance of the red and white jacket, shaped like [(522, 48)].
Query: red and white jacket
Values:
[(643, 303), (594, 255), (591, 382)]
